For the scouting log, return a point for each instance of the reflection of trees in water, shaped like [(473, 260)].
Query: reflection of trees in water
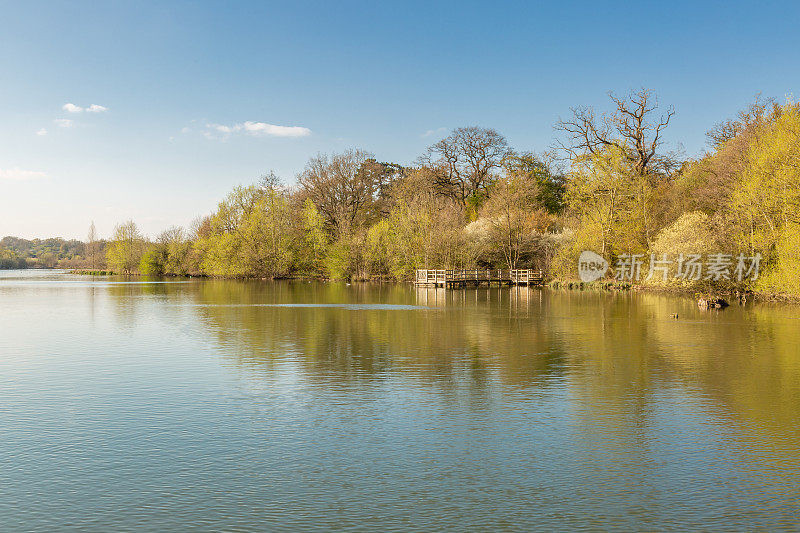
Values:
[(473, 340), (612, 350), (617, 355), (747, 360), (629, 360), (131, 296)]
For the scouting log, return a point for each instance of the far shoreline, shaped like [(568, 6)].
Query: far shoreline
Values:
[(555, 284), (730, 294)]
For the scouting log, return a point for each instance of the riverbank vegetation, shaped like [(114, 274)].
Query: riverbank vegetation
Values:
[(610, 185)]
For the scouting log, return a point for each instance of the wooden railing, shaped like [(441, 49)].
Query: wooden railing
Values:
[(526, 276), (431, 276), (464, 276)]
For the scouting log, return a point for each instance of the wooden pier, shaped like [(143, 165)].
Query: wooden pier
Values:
[(463, 278)]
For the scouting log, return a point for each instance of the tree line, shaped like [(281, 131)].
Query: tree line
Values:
[(17, 253), (609, 184), (469, 200)]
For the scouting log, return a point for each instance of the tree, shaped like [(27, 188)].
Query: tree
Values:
[(425, 228), (152, 261), (753, 115), (748, 187), (603, 195), (378, 252), (514, 216), (314, 240), (91, 246), (343, 189), (550, 187), (178, 248), (632, 137), (383, 176), (169, 254), (464, 163), (766, 197), (10, 260), (266, 238), (126, 248), (692, 233), (632, 129), (250, 235)]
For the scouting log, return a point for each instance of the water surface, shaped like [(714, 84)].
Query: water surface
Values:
[(250, 406)]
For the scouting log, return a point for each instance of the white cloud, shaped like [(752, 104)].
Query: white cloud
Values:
[(42, 131), (259, 129), (223, 129), (433, 132), (94, 108), (63, 122), (17, 174)]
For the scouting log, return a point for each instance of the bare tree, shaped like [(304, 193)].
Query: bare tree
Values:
[(341, 188), (754, 114), (633, 129), (511, 214), (464, 162), (91, 246)]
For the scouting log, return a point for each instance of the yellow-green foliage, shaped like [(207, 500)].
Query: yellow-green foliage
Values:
[(125, 250), (314, 240), (425, 232), (338, 261), (611, 204), (690, 234), (378, 248), (741, 198), (693, 233), (9, 259), (767, 195), (783, 276), (765, 202), (152, 262), (251, 235), (220, 253)]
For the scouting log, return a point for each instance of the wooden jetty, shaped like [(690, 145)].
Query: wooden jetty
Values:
[(463, 278)]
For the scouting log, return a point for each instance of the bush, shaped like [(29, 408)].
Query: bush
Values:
[(151, 263), (691, 234)]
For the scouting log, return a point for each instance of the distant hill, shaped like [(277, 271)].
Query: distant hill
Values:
[(45, 253)]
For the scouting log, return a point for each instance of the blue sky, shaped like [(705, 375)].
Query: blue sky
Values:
[(189, 89)]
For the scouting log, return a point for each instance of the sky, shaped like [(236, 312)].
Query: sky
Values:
[(153, 111)]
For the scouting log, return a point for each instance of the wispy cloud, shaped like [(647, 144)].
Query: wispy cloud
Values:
[(63, 122), (433, 132), (42, 132), (255, 129), (18, 174), (94, 108)]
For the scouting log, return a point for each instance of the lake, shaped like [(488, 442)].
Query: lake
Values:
[(252, 406)]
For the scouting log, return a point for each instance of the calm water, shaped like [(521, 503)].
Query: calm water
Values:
[(253, 406)]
